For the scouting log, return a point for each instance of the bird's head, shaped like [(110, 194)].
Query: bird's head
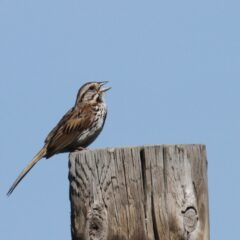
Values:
[(91, 92)]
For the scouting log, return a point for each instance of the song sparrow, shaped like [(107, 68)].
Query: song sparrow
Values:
[(78, 128)]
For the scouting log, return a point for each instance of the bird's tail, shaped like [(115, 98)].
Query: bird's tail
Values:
[(39, 156)]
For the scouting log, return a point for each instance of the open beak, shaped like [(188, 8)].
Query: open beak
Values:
[(104, 89)]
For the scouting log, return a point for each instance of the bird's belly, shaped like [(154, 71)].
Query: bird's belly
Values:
[(89, 135)]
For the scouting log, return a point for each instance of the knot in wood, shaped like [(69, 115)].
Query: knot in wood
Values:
[(97, 222), (190, 219)]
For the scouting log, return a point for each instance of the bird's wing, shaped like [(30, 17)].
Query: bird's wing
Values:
[(68, 129), (63, 120)]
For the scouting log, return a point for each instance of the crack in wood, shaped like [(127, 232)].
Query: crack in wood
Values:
[(155, 228), (143, 174), (126, 187)]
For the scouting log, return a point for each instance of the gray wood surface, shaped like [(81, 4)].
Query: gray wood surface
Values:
[(137, 193)]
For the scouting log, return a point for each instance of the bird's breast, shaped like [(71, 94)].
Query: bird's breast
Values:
[(88, 135)]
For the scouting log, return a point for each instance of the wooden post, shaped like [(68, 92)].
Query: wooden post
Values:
[(139, 193)]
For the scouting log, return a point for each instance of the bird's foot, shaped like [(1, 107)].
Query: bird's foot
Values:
[(79, 149)]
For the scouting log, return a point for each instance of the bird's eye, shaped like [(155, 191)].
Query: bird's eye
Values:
[(91, 88)]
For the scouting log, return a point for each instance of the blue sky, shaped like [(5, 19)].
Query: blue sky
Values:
[(174, 70)]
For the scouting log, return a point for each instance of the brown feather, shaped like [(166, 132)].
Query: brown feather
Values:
[(68, 129), (39, 156)]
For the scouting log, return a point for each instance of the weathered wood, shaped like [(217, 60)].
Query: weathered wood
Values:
[(138, 193)]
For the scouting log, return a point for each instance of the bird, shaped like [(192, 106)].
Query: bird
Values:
[(77, 129)]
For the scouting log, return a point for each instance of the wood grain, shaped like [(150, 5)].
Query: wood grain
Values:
[(136, 193)]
